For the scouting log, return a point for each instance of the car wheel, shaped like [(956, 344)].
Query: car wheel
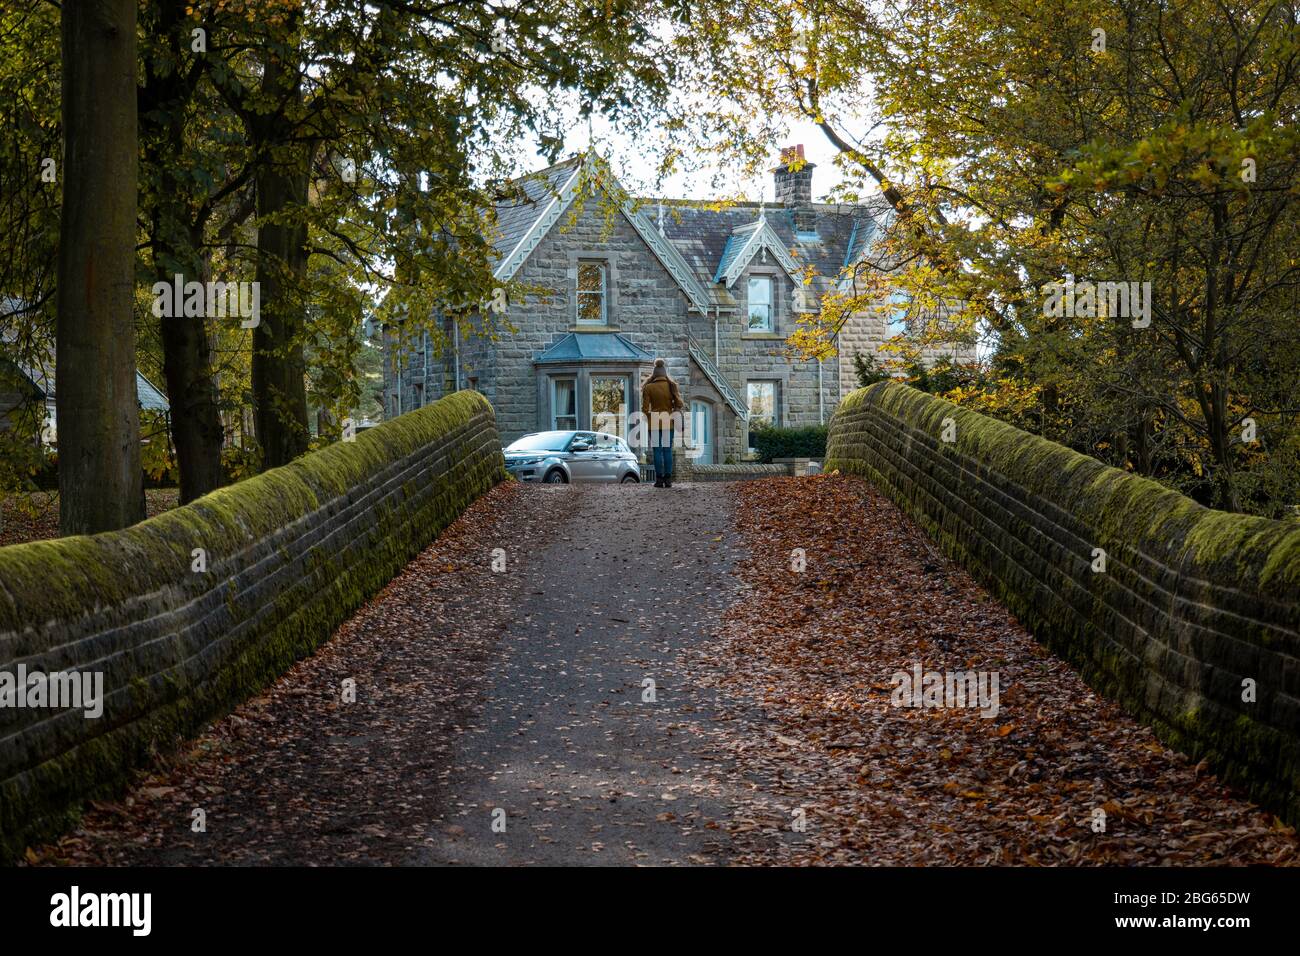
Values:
[(630, 479), (556, 477)]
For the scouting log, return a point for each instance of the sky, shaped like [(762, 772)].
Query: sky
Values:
[(636, 170)]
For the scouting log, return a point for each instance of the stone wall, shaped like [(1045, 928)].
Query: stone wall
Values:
[(1192, 604), (745, 471), (866, 332), (289, 555)]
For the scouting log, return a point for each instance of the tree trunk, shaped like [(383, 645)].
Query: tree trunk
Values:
[(192, 392), (279, 367), (1226, 496), (100, 477), (1143, 441), (176, 241)]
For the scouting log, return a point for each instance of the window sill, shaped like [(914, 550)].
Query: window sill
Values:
[(762, 336), (592, 327)]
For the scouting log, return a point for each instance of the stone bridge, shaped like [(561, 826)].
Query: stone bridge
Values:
[(961, 643)]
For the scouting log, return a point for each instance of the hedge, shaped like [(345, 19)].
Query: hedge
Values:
[(1192, 604), (807, 441), (290, 554)]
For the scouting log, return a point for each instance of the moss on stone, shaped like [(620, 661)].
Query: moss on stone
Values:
[(86, 585), (1148, 530)]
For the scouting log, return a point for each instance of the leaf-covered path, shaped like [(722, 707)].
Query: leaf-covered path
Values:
[(650, 681)]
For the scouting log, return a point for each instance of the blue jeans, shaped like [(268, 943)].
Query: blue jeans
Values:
[(663, 454)]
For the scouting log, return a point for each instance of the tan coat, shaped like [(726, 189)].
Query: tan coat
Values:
[(660, 395)]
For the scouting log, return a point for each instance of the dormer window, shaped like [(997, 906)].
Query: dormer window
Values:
[(760, 303), (591, 294)]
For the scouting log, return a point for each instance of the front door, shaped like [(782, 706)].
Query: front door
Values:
[(702, 431)]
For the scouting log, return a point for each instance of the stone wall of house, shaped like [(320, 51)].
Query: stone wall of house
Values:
[(865, 332), (761, 356), (646, 305), (285, 557), (1192, 621)]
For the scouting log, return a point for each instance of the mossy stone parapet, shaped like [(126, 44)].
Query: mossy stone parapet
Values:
[(1192, 604), (289, 555)]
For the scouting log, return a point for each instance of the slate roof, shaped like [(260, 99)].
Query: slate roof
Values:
[(41, 374), (534, 192), (593, 346), (709, 240), (149, 397), (706, 236)]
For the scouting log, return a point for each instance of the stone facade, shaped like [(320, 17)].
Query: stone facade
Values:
[(707, 342), (866, 332)]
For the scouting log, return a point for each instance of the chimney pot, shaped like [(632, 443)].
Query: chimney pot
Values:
[(794, 188)]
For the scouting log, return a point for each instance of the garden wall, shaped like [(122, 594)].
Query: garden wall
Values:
[(1192, 602), (290, 554)]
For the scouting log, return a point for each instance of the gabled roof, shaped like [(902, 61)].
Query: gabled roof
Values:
[(540, 199), (593, 347), (863, 243), (704, 247), (150, 398), (552, 192), (745, 243), (40, 372)]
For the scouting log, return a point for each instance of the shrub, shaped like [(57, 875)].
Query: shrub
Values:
[(808, 441)]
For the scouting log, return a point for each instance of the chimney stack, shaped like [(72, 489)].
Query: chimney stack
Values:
[(794, 186)]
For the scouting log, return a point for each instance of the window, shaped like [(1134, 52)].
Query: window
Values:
[(591, 294), (899, 305), (564, 404), (760, 303), (609, 404), (763, 408)]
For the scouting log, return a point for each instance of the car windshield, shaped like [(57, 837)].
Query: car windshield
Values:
[(542, 441)]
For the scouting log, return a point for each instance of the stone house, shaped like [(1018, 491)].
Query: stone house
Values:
[(713, 290)]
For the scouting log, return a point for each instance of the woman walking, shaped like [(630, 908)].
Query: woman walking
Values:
[(660, 400)]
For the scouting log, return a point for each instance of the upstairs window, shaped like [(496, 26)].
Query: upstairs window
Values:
[(760, 303), (591, 294)]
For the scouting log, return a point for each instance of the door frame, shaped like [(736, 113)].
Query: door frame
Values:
[(710, 426)]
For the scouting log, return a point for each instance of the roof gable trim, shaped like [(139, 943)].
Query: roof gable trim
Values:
[(529, 241), (763, 238), (664, 250)]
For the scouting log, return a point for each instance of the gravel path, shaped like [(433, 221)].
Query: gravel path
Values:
[(649, 680), (588, 747), (483, 698)]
